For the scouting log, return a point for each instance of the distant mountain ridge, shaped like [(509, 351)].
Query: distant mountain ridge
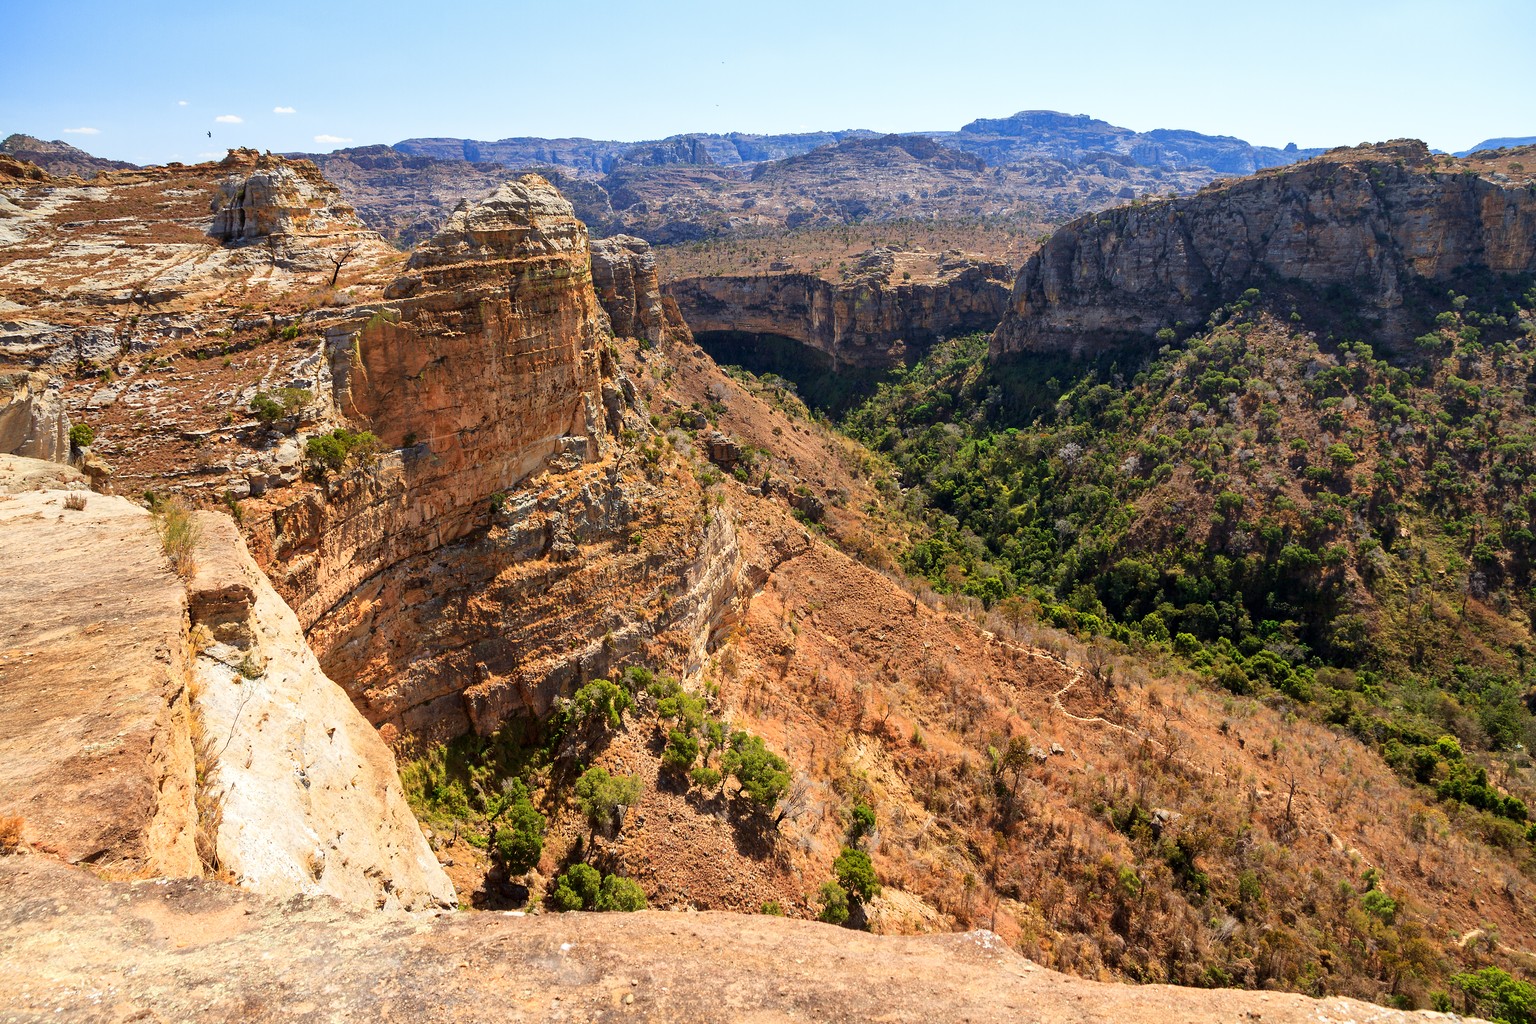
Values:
[(1505, 143), (1026, 135), (59, 158)]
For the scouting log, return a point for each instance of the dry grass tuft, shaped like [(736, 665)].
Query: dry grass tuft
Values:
[(75, 501), (10, 834), (179, 536)]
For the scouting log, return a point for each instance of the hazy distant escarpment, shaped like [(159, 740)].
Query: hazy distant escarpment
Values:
[(1364, 231)]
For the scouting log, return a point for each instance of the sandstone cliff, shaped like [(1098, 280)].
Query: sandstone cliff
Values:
[(880, 317), (304, 795), (624, 274), (440, 584), (1372, 225), (33, 423)]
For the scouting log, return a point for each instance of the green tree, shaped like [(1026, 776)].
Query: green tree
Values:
[(861, 822), (1500, 996), (764, 775), (856, 874), (620, 894), (603, 797), (600, 701), (681, 752), (834, 903), (577, 888), (519, 841)]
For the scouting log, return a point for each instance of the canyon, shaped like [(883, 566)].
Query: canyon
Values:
[(434, 494)]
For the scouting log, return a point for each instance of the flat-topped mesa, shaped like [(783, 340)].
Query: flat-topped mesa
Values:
[(882, 315), (1376, 224), (267, 195)]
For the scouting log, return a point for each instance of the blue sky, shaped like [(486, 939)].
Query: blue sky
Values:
[(145, 82)]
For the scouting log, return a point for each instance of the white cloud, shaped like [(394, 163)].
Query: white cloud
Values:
[(209, 156), (331, 140), (181, 103), (82, 131), (284, 110), (229, 119)]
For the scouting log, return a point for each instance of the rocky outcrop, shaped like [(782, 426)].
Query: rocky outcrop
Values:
[(1372, 224), (875, 320), (95, 742), (266, 196), (199, 951), (471, 381), (441, 584), (305, 795), (624, 274), (33, 423)]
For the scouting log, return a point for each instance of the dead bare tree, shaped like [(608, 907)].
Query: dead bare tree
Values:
[(340, 258)]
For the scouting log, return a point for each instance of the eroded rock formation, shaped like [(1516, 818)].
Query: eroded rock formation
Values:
[(303, 794), (881, 316), (33, 423), (267, 195), (1372, 224), (624, 274), (440, 586)]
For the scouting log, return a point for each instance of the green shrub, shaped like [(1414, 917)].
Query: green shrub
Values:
[(520, 841), (856, 874), (861, 822), (764, 775), (620, 894), (708, 778), (602, 797), (772, 908), (834, 903), (266, 408), (577, 889), (81, 435)]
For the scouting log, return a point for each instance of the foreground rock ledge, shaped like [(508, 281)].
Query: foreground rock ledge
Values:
[(76, 948)]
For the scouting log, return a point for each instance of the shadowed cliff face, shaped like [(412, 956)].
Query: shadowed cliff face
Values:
[(1372, 224), (874, 321)]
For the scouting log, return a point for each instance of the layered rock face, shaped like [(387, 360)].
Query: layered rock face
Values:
[(873, 321), (304, 795), (473, 380), (624, 274), (1375, 221), (33, 423), (442, 588), (267, 195)]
